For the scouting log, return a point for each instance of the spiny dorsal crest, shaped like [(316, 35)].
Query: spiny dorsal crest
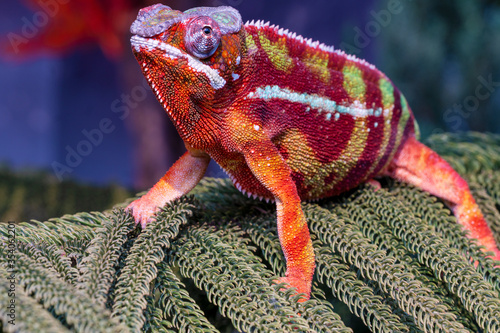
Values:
[(260, 24)]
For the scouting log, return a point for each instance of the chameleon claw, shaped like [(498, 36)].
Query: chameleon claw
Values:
[(143, 211), (375, 184)]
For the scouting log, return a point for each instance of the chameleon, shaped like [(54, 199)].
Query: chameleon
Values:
[(287, 118)]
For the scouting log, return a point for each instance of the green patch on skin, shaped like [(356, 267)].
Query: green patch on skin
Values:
[(353, 82), (405, 116), (277, 53), (251, 46), (387, 91), (317, 63), (403, 120)]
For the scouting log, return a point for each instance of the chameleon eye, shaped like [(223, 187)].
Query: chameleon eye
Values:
[(207, 30), (202, 37)]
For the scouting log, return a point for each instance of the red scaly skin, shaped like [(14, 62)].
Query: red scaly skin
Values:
[(288, 119)]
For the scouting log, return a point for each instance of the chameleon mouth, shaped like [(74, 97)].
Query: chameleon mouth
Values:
[(150, 44)]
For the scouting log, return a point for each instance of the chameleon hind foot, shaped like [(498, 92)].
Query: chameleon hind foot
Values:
[(303, 286)]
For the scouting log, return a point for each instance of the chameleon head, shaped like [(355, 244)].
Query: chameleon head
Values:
[(187, 57)]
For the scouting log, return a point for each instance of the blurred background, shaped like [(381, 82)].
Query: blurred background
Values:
[(74, 106)]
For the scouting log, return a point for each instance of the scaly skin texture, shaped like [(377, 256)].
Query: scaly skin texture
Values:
[(288, 119)]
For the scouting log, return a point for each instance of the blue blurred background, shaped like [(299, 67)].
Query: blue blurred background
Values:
[(73, 101)]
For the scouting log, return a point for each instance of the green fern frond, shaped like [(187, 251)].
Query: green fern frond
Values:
[(371, 216), (361, 299), (51, 258), (155, 321), (75, 249), (218, 192), (98, 268), (79, 311), (58, 230), (309, 310), (490, 181), (488, 207), (437, 253), (320, 316), (21, 313), (176, 305), (427, 207), (376, 265), (263, 231), (140, 266), (236, 281), (470, 152)]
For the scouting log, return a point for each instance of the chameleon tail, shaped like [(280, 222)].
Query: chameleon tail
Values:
[(419, 165)]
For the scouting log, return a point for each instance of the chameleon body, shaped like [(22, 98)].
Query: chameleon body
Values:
[(287, 118)]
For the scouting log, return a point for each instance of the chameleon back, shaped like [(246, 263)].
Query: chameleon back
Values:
[(336, 120)]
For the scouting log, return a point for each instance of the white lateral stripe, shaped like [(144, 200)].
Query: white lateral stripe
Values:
[(320, 103), (216, 81)]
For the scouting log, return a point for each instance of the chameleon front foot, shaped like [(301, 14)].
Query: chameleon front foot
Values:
[(177, 181), (303, 286), (143, 210)]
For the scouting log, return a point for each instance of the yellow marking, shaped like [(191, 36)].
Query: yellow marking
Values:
[(406, 112), (344, 164), (317, 63), (353, 82), (407, 115), (301, 157), (277, 52), (233, 165), (403, 120), (387, 90), (251, 46)]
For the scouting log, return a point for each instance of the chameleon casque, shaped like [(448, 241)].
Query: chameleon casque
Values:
[(287, 118)]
